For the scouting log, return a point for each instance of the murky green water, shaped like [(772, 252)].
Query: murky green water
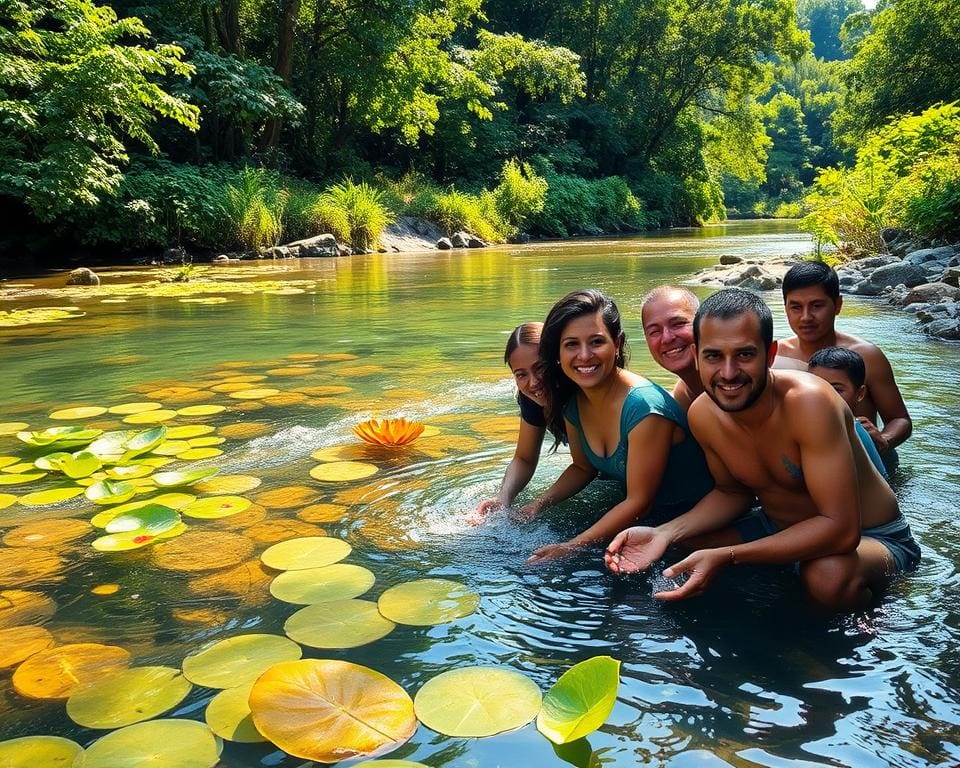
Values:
[(743, 676)]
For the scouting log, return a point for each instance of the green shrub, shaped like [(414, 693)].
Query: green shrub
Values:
[(927, 201), (520, 194), (455, 211), (365, 208), (581, 206), (256, 202), (327, 215)]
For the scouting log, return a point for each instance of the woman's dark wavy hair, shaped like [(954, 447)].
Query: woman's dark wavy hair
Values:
[(558, 388)]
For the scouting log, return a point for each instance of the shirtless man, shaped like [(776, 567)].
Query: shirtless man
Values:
[(789, 439), (667, 319), (811, 296)]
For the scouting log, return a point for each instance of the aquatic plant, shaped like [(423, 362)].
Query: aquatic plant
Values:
[(389, 432)]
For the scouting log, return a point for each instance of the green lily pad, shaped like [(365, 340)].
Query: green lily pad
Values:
[(228, 715), (51, 461), (123, 542), (338, 624), (35, 751), (49, 497), (142, 442), (129, 472), (19, 479), (167, 743), (322, 585), (188, 477), (172, 500), (238, 660), (426, 602), (110, 492), (215, 507), (477, 701), (580, 701), (127, 697), (109, 446), (305, 552), (153, 519), (64, 437), (79, 464)]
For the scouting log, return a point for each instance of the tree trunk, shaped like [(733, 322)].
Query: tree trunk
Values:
[(283, 63)]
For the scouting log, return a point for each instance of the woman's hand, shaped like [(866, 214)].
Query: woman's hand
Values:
[(552, 552), (634, 549), (529, 512), (484, 508)]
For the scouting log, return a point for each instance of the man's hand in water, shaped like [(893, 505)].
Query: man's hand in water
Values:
[(528, 512), (634, 549), (484, 508), (879, 440), (552, 552), (701, 568)]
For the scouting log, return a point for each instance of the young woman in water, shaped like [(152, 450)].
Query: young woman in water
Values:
[(617, 423), (522, 355)]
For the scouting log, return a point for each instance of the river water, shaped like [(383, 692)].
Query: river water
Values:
[(745, 675)]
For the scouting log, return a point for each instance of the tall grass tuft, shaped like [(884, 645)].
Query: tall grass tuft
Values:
[(367, 214), (256, 202)]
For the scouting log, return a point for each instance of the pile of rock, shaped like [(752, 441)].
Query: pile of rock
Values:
[(754, 274)]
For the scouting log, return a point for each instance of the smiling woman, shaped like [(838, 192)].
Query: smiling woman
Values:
[(619, 424)]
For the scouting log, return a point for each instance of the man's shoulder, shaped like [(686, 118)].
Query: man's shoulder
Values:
[(789, 347), (867, 350), (799, 389)]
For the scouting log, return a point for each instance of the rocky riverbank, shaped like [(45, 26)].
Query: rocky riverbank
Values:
[(921, 278)]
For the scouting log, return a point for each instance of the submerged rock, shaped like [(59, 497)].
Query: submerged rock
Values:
[(83, 276), (444, 244), (466, 240)]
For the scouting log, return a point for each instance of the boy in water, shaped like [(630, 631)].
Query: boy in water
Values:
[(843, 369)]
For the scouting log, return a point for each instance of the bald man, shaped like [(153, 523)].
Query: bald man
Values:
[(667, 319)]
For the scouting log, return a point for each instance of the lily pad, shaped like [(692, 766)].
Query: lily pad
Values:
[(168, 743), (37, 315), (63, 437), (109, 445), (80, 412), (580, 701), (203, 551), (150, 417), (56, 672), (238, 660), (338, 624), (288, 497), (188, 477), (228, 484), (74, 465), (26, 566), (6, 461), (6, 500), (125, 541), (474, 702), (306, 552), (228, 715), (426, 602), (171, 447), (152, 518), (201, 410), (12, 427), (322, 513), (172, 500), (322, 585), (110, 492), (129, 472), (195, 454), (328, 711), (21, 479), (254, 394), (18, 606), (36, 751), (343, 471), (188, 431), (206, 442), (215, 507), (19, 468), (125, 409), (48, 498), (392, 764), (142, 442), (47, 533), (20, 643), (127, 697)]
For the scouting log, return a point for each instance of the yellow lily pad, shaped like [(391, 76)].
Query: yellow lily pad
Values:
[(322, 585), (130, 472), (47, 533), (201, 410), (474, 702), (206, 442), (127, 697), (203, 551), (128, 409), (216, 506), (56, 672), (305, 552), (19, 468), (171, 447), (328, 710), (12, 427), (195, 454), (110, 492), (322, 513), (19, 479), (188, 431), (342, 471), (80, 412), (6, 461), (238, 660), (287, 497), (150, 417), (49, 498), (25, 566), (228, 484), (18, 606), (254, 394), (168, 743), (338, 624), (228, 715), (36, 751), (188, 477), (105, 590), (20, 643), (426, 602)]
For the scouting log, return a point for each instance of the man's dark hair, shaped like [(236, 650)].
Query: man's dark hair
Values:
[(729, 303), (840, 359), (808, 273)]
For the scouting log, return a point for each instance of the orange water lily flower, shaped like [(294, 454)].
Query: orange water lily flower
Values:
[(388, 431)]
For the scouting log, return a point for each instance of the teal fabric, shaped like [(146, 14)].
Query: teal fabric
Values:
[(686, 479), (871, 448)]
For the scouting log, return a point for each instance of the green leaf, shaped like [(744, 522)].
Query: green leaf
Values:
[(151, 519), (142, 442), (580, 701)]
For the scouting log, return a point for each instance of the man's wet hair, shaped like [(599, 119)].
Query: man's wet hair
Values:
[(729, 303), (808, 273), (840, 359)]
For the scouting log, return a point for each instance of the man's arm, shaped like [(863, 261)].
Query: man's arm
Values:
[(883, 389)]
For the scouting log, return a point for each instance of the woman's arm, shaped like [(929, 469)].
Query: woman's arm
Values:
[(648, 450), (520, 469), (572, 480)]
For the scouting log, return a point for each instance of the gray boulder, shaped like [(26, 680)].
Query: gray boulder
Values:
[(929, 254), (955, 261), (916, 308), (951, 276), (320, 245), (870, 262), (520, 238), (83, 276), (444, 244), (466, 240), (893, 274), (932, 293), (935, 312), (729, 258), (944, 328)]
